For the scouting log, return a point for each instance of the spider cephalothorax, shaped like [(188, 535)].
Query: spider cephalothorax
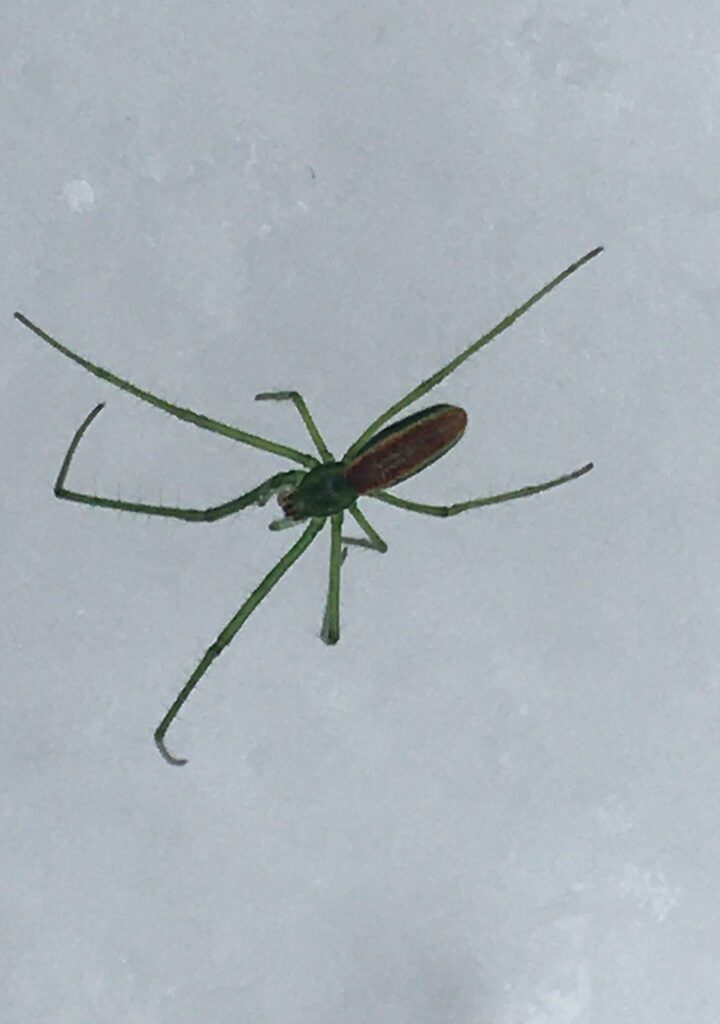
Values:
[(320, 493)]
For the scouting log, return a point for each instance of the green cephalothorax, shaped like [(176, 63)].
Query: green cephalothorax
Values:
[(324, 489), (320, 493)]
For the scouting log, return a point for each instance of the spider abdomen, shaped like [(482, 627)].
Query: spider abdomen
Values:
[(406, 447)]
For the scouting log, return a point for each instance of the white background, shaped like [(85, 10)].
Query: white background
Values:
[(496, 800)]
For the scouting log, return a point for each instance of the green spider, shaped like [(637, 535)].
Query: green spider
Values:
[(325, 488)]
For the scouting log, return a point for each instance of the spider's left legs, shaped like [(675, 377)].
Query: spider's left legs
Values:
[(228, 633), (301, 406)]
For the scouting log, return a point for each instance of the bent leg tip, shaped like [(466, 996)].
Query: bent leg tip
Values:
[(165, 753)]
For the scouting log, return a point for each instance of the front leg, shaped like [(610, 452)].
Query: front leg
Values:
[(174, 410)]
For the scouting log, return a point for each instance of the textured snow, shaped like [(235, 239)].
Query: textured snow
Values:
[(493, 802)]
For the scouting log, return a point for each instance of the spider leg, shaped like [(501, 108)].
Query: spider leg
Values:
[(257, 496), (494, 499), (301, 406), (228, 633), (372, 539), (174, 410), (330, 632)]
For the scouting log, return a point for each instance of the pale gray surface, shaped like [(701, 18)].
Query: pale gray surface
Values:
[(494, 802)]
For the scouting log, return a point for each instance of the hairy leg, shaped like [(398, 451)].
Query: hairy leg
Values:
[(257, 496)]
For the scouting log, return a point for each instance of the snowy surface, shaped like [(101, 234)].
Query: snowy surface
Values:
[(495, 801)]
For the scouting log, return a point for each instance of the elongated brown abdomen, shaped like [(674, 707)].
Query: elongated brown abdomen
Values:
[(404, 448)]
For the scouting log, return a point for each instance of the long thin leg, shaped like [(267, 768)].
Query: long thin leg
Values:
[(463, 506), (257, 496), (175, 410), (299, 402), (231, 629), (445, 371), (330, 631), (372, 540)]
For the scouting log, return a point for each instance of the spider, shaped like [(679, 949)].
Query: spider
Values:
[(325, 487)]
